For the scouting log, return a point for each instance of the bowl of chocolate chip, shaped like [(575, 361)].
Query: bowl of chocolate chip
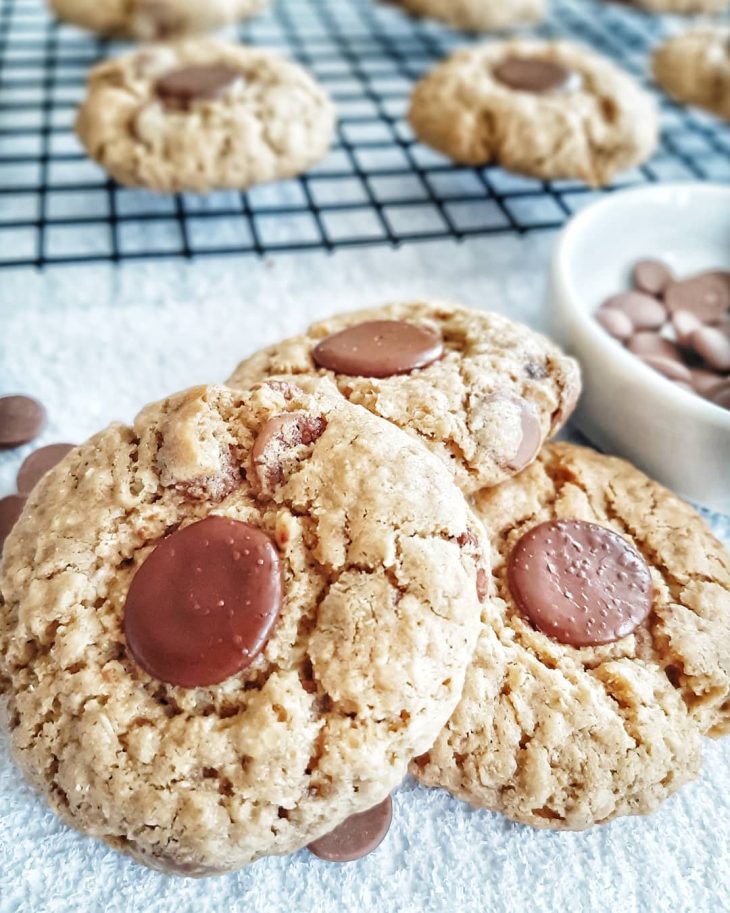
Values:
[(640, 294)]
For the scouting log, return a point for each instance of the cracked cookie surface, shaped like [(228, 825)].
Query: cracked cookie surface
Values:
[(476, 15), (380, 559), (149, 20), (694, 68), (269, 121), (598, 123), (563, 737), (470, 406)]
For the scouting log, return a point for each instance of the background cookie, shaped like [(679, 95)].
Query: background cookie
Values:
[(683, 6), (477, 15), (202, 114), (153, 19), (695, 68), (560, 736), (548, 109), (380, 564), (482, 392)]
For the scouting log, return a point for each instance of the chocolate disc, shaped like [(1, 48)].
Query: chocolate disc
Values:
[(379, 348), (580, 583), (706, 295), (278, 436), (21, 419), (37, 464), (533, 74), (202, 605), (203, 82), (652, 277), (531, 439), (357, 836), (10, 510)]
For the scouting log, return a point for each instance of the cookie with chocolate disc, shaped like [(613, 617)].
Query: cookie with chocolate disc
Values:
[(481, 391), (610, 655), (201, 114), (477, 15), (551, 109), (229, 627), (694, 68)]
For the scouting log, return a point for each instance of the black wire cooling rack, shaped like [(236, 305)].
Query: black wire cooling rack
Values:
[(377, 186)]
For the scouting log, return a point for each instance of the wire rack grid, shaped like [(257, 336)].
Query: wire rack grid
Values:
[(377, 185)]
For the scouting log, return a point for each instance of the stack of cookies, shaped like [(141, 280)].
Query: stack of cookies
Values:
[(230, 629)]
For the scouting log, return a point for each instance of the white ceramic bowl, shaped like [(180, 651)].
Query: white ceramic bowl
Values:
[(628, 408)]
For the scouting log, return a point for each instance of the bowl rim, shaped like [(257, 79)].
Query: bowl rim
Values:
[(663, 388)]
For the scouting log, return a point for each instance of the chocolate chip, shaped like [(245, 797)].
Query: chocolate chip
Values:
[(645, 312), (713, 347), (531, 431), (685, 323), (197, 82), (707, 383), (277, 438), (580, 583), (357, 836), (649, 343), (615, 322), (379, 348), (38, 463), (202, 605), (669, 367), (21, 419), (706, 295), (10, 510), (533, 74), (652, 277)]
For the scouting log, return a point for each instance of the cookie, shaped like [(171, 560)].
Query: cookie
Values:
[(203, 114), (149, 20), (477, 15), (481, 391), (547, 109), (556, 732), (694, 68), (231, 626), (681, 7)]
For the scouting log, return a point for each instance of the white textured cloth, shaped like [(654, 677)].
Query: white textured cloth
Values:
[(94, 344)]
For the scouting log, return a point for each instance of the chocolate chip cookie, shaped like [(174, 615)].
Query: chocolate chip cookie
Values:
[(481, 391), (202, 114), (150, 20), (604, 653), (694, 68), (229, 627), (477, 15), (551, 109)]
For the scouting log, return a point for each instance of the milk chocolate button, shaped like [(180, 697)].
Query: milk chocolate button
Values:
[(357, 836), (707, 295), (379, 348), (21, 419), (579, 583), (38, 463), (204, 82), (652, 277), (645, 312), (533, 74), (10, 510), (531, 439), (203, 604)]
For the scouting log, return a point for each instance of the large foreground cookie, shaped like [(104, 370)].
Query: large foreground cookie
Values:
[(477, 15), (203, 114), (229, 627), (548, 109), (695, 68), (564, 736), (480, 390), (155, 19)]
